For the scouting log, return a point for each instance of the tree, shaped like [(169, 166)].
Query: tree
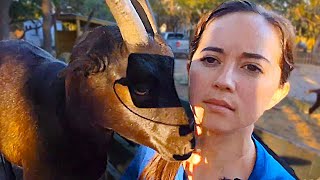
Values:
[(304, 15), (4, 19), (181, 14), (86, 7), (23, 10), (47, 23), (193, 10)]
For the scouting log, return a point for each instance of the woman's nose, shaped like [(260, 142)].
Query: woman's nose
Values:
[(225, 80)]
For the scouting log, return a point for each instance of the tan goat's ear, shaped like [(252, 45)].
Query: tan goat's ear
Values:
[(88, 65)]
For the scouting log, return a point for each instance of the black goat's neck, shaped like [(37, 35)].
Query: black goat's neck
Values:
[(80, 127), (88, 147), (81, 146)]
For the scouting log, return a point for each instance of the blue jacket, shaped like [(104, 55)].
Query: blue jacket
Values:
[(266, 166)]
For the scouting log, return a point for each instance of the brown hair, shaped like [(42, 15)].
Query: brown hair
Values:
[(159, 168)]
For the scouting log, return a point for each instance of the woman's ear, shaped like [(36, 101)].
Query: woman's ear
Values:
[(280, 93)]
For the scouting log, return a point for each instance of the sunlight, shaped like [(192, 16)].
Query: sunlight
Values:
[(191, 163), (302, 128), (198, 131), (311, 81), (316, 117)]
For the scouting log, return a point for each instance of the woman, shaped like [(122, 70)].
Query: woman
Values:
[(240, 60)]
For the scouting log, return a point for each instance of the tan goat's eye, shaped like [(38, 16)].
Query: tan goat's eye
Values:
[(141, 91)]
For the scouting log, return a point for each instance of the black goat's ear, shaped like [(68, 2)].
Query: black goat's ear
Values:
[(88, 65)]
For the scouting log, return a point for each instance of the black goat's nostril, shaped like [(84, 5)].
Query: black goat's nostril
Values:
[(182, 157), (184, 130), (193, 143)]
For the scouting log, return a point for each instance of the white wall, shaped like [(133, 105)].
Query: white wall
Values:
[(36, 36)]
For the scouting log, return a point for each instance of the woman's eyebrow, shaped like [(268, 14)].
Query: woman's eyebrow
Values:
[(215, 49), (254, 56)]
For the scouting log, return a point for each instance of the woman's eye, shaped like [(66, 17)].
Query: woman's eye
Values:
[(210, 60), (253, 68)]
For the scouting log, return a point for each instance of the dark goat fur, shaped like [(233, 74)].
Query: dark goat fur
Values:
[(33, 126)]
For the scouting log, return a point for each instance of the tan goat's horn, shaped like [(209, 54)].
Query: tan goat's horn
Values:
[(147, 9), (131, 27)]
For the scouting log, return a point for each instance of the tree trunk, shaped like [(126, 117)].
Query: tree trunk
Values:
[(47, 22), (4, 19)]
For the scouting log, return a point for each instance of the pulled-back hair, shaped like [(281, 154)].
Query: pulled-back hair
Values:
[(158, 168)]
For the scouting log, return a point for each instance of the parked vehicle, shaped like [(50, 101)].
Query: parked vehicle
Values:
[(178, 42)]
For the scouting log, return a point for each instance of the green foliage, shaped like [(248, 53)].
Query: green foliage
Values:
[(177, 12), (195, 9), (306, 17), (85, 7), (22, 10)]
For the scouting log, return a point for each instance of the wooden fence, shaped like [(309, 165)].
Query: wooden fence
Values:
[(307, 58)]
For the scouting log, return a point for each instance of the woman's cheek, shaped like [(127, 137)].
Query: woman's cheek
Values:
[(249, 106), (255, 100)]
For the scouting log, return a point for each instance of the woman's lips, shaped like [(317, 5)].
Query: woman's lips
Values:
[(216, 104)]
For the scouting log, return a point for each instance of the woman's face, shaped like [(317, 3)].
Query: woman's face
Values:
[(234, 75)]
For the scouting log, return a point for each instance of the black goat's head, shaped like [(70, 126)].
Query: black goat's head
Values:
[(123, 77)]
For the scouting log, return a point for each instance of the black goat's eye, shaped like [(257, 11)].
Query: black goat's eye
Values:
[(141, 90)]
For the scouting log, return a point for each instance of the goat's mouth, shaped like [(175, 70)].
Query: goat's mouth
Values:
[(178, 146), (176, 157), (178, 151), (172, 143), (182, 157)]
